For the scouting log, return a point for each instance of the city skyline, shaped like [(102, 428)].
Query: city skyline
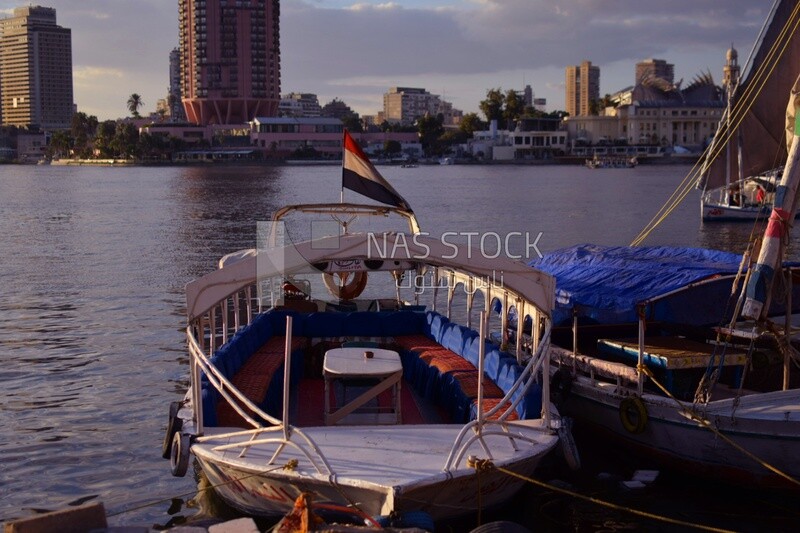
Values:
[(459, 50)]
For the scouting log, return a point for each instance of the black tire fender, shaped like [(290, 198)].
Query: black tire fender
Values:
[(174, 425), (633, 414)]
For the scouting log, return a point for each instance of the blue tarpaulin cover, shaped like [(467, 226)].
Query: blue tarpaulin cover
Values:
[(606, 282)]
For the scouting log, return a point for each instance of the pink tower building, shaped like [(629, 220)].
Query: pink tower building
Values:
[(230, 59)]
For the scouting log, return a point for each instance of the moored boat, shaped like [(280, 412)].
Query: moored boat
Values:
[(630, 321), (751, 139), (337, 366)]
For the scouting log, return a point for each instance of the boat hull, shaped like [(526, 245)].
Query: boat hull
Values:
[(718, 212), (674, 441), (374, 477)]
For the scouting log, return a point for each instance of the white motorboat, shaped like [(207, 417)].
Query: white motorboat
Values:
[(312, 372)]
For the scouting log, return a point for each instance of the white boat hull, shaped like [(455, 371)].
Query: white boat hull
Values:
[(721, 212), (381, 469), (766, 425)]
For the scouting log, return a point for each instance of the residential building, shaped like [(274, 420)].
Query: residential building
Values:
[(656, 68), (176, 111), (404, 105), (338, 109), (230, 60), (35, 70), (582, 86), (299, 105)]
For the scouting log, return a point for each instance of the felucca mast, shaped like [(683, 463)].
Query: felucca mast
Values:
[(759, 287)]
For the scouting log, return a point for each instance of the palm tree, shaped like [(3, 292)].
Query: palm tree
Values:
[(134, 103)]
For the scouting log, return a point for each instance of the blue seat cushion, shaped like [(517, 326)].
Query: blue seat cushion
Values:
[(399, 323)]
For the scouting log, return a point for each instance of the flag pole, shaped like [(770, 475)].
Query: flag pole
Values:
[(341, 194)]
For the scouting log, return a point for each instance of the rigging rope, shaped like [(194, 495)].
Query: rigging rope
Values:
[(704, 422), (739, 112)]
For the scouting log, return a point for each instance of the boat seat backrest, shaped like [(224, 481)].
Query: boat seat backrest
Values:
[(437, 326), (324, 325), (363, 324), (398, 323), (454, 337), (531, 404)]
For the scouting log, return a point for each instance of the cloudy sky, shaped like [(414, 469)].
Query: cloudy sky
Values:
[(355, 50)]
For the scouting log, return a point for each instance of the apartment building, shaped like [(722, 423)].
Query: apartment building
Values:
[(404, 105), (582, 86), (35, 70), (230, 60)]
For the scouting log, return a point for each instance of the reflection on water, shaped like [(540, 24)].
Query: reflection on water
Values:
[(94, 266)]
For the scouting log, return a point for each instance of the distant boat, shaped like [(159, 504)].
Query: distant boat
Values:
[(612, 162), (749, 148)]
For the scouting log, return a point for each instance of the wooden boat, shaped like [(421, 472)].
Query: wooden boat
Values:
[(282, 402), (630, 321), (750, 145)]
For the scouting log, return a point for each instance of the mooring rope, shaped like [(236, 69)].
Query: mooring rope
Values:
[(704, 422), (488, 464)]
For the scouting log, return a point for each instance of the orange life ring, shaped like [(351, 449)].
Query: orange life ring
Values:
[(344, 289)]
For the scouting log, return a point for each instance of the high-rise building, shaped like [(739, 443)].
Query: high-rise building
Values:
[(657, 68), (175, 106), (230, 59), (35, 70), (582, 86)]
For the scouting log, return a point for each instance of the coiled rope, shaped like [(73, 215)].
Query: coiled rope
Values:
[(737, 115)]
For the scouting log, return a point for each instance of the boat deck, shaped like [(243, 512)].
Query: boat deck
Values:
[(671, 353), (384, 456)]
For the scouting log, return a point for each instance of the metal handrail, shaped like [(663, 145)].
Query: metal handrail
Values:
[(220, 382), (460, 446)]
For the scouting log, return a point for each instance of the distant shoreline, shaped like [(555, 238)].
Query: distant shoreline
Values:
[(566, 160)]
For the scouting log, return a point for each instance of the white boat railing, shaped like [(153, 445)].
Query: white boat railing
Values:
[(239, 402), (499, 427)]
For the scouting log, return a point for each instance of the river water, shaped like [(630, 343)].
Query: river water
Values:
[(94, 261)]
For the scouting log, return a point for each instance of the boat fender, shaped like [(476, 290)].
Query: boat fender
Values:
[(568, 446), (174, 425), (345, 290), (179, 454), (561, 385), (633, 414)]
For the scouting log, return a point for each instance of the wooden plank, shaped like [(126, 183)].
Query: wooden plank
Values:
[(73, 520)]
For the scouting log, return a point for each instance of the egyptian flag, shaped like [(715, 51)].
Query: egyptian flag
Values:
[(359, 175)]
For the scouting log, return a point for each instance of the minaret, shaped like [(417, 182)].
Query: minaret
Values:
[(730, 73)]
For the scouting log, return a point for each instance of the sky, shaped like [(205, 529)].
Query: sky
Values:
[(356, 50)]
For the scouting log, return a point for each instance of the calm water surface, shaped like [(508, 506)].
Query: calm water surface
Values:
[(94, 261)]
